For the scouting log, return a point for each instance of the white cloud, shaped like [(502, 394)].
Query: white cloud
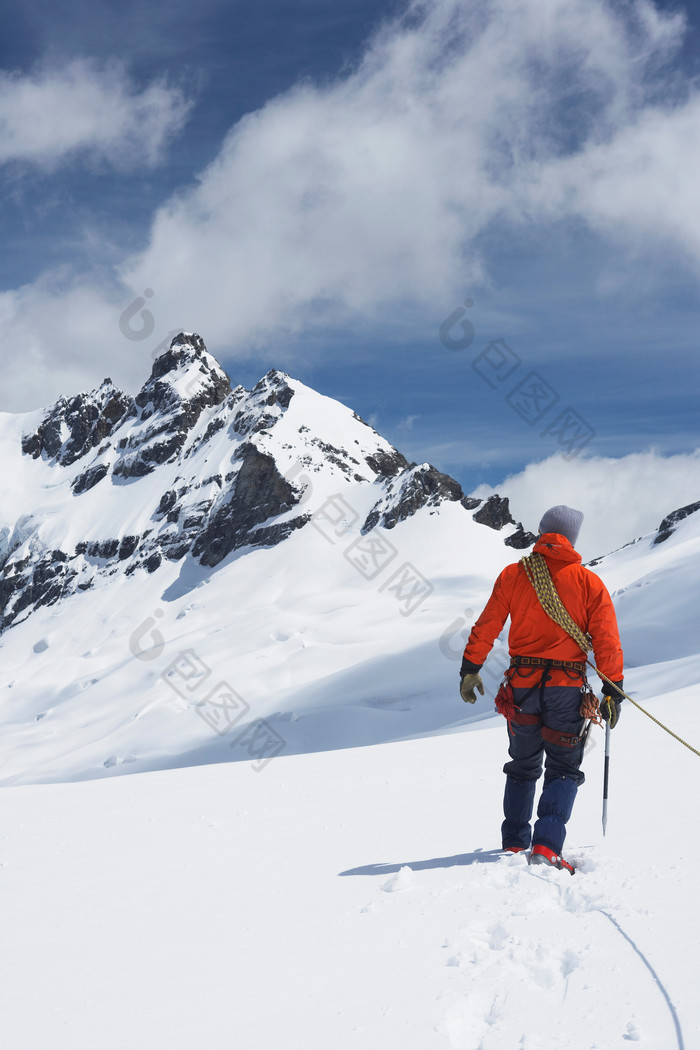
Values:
[(90, 346), (49, 116), (640, 186), (353, 197), (620, 498), (375, 189)]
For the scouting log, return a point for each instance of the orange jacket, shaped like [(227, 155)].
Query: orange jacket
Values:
[(532, 632)]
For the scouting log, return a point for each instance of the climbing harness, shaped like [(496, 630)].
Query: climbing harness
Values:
[(506, 705), (537, 571)]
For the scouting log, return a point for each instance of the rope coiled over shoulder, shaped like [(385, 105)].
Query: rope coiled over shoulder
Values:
[(539, 576)]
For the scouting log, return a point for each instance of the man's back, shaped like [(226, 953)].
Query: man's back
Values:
[(532, 632)]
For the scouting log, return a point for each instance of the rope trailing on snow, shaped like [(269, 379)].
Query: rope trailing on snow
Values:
[(538, 574)]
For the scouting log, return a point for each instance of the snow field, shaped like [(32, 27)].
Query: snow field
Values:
[(350, 898), (295, 630)]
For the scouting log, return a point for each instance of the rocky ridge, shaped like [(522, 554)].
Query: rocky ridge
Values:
[(216, 469), (668, 525)]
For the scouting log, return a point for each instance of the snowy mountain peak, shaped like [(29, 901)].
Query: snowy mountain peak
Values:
[(191, 468), (276, 387), (184, 381), (72, 427), (185, 372)]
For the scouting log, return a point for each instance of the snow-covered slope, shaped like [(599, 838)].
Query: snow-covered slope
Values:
[(260, 557), (354, 899), (258, 569), (248, 584), (655, 583)]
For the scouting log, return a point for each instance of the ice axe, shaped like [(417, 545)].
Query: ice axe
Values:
[(606, 771)]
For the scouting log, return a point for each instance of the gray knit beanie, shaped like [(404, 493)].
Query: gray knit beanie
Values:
[(564, 520)]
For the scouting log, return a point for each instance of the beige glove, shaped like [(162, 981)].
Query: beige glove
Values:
[(469, 683)]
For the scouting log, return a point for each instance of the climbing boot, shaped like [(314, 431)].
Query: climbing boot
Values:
[(545, 855)]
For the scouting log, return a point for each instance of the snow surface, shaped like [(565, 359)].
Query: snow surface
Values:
[(353, 898), (342, 888)]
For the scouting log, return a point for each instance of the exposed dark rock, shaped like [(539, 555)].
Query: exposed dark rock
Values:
[(417, 487), (666, 528), (88, 419), (196, 516), (259, 493), (150, 455), (44, 583), (89, 478), (167, 502), (520, 539), (177, 550), (495, 513), (470, 503), (338, 456), (264, 405), (127, 547), (103, 549), (386, 464), (153, 562), (276, 387)]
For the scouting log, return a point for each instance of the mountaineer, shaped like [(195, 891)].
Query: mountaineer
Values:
[(545, 685)]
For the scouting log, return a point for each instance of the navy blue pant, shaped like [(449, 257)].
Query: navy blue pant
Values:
[(559, 709)]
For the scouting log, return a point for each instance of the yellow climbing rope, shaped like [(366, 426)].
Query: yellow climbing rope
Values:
[(537, 571), (538, 574)]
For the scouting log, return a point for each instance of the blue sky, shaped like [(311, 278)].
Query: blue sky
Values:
[(317, 188)]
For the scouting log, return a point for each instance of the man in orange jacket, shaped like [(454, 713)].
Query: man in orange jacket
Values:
[(548, 677)]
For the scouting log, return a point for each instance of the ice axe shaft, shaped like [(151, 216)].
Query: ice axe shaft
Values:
[(606, 771)]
